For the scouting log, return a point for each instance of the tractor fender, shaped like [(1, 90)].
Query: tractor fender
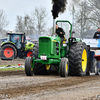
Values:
[(29, 46), (9, 43)]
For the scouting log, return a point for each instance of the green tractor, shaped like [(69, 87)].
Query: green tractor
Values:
[(16, 46), (69, 58)]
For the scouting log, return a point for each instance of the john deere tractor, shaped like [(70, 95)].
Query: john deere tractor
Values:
[(69, 58), (16, 46)]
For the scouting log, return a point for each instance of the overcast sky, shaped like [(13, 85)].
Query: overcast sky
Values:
[(12, 8)]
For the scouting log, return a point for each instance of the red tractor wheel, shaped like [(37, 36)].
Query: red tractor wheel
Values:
[(29, 53), (8, 52)]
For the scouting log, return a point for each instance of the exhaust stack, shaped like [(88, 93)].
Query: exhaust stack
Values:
[(54, 29)]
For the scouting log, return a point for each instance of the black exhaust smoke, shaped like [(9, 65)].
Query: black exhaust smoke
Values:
[(59, 6)]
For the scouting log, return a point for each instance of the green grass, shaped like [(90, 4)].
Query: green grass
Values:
[(3, 65), (11, 69), (7, 65)]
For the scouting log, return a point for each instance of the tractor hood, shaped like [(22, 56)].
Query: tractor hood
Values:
[(48, 45)]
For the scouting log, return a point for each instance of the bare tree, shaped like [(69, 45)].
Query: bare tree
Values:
[(82, 18), (88, 14), (19, 24), (95, 14), (34, 23), (40, 16), (3, 21), (75, 2), (29, 24), (25, 24)]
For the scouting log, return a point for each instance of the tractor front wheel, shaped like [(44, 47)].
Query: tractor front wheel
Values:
[(64, 67), (28, 66), (39, 69)]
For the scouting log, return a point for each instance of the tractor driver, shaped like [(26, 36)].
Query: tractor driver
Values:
[(97, 34), (60, 32)]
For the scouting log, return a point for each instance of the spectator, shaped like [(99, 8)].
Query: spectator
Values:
[(97, 34)]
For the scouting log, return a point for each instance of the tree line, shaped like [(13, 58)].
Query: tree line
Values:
[(30, 24), (86, 15)]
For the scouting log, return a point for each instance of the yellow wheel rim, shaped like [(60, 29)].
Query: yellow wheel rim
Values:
[(31, 69), (47, 67), (31, 66), (66, 67), (84, 60)]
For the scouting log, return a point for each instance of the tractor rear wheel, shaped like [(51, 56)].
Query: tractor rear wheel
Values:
[(64, 67), (8, 52), (28, 66), (78, 59), (39, 69), (29, 53)]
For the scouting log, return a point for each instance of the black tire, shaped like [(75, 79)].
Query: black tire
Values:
[(28, 69), (95, 66), (29, 53), (8, 52), (36, 50), (77, 64), (39, 69), (64, 67)]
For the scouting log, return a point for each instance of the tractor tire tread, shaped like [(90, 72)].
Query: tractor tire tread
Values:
[(75, 59)]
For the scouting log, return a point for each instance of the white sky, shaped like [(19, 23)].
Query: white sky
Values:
[(12, 8)]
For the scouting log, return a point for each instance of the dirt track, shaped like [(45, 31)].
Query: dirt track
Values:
[(12, 62), (20, 87)]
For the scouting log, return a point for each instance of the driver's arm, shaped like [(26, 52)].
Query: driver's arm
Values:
[(62, 31)]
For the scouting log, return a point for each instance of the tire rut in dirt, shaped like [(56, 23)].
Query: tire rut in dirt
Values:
[(39, 69), (9, 73), (75, 59), (55, 84), (11, 50)]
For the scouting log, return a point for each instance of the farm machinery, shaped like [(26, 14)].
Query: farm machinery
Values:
[(95, 47), (16, 46), (72, 58)]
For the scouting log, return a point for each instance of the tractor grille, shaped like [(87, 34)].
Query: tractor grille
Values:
[(44, 46)]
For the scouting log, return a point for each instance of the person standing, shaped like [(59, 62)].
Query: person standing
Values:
[(97, 34)]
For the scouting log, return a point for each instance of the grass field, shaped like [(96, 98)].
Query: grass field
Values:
[(11, 69), (8, 65)]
